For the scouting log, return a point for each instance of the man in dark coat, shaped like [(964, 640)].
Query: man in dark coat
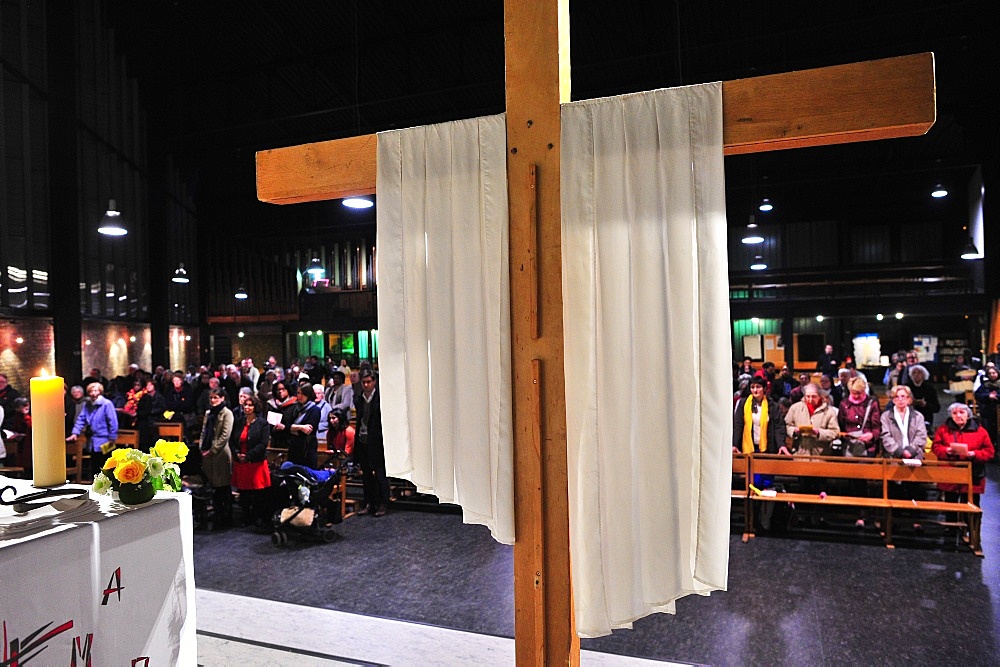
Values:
[(828, 363), (369, 450)]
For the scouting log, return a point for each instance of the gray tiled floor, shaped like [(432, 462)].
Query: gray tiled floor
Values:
[(823, 596)]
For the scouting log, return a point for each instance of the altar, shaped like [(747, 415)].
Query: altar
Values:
[(96, 582)]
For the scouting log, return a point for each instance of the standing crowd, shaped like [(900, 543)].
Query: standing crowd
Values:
[(231, 416), (834, 412)]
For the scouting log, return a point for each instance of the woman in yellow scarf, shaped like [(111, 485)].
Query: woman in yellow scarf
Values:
[(757, 422)]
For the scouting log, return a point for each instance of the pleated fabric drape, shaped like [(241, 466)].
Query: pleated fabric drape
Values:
[(647, 343), (647, 356), (444, 315)]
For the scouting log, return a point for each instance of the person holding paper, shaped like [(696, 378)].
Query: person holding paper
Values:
[(960, 438), (811, 424), (99, 420)]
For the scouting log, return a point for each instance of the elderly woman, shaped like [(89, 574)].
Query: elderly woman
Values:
[(811, 424), (960, 438), (925, 398), (904, 433)]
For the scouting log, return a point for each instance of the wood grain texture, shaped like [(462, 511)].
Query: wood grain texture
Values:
[(877, 99), (543, 617), (318, 171)]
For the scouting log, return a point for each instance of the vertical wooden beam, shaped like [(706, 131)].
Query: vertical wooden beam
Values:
[(543, 620)]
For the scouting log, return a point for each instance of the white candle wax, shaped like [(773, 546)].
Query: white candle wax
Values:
[(48, 431)]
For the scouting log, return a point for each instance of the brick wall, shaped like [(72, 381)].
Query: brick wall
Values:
[(109, 346), (183, 347), (258, 346), (22, 361)]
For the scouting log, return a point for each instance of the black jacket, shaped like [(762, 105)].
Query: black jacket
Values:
[(775, 425), (258, 435)]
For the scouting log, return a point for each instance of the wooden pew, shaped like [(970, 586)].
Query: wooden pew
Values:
[(127, 438), (78, 467), (937, 472), (170, 431), (741, 468), (823, 467), (886, 471)]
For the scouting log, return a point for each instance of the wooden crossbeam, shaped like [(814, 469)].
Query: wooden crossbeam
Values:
[(877, 99)]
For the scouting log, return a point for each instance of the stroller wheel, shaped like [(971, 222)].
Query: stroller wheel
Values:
[(279, 539), (329, 535)]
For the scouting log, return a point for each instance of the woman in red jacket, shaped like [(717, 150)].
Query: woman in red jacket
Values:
[(960, 438)]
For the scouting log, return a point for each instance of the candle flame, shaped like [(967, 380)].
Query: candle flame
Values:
[(43, 373)]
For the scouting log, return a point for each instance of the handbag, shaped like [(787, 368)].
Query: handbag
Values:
[(855, 447)]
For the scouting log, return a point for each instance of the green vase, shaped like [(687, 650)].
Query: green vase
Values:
[(136, 494)]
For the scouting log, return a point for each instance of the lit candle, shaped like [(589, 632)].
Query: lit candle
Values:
[(48, 431)]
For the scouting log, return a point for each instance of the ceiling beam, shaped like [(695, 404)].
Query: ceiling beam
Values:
[(877, 99)]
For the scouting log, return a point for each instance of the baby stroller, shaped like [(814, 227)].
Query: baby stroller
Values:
[(311, 512), (202, 501)]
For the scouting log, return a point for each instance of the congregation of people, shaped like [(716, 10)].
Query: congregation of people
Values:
[(231, 416), (833, 410)]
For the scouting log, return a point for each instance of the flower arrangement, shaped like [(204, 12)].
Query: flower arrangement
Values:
[(132, 401), (137, 476)]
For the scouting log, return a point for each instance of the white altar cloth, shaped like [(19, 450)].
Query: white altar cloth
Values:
[(113, 586)]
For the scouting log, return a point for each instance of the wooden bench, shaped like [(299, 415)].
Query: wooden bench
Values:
[(741, 469), (937, 472), (127, 438), (884, 471), (170, 431)]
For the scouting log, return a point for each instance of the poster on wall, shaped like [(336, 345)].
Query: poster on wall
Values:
[(926, 347), (753, 347)]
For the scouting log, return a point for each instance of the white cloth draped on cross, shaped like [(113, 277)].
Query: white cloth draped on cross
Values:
[(647, 344)]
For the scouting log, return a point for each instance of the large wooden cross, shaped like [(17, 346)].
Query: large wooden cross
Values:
[(855, 102)]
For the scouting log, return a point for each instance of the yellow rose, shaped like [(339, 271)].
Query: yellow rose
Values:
[(130, 472)]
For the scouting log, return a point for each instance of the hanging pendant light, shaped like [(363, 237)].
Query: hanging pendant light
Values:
[(752, 236), (111, 223), (939, 191), (765, 206), (315, 268), (758, 263), (180, 275), (241, 294), (971, 251)]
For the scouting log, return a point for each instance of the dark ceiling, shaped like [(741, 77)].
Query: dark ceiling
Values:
[(223, 79)]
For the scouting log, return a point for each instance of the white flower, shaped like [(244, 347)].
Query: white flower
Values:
[(102, 485), (155, 466), (135, 455)]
